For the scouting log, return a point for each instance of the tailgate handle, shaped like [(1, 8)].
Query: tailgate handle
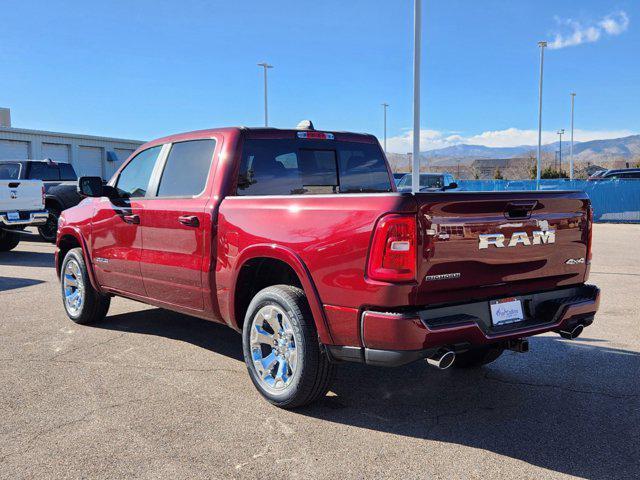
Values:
[(14, 184), (520, 209)]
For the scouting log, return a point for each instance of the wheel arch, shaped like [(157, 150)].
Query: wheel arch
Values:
[(68, 238), (254, 258)]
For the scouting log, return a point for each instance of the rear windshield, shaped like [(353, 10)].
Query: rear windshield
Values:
[(10, 171), (426, 181), (307, 167)]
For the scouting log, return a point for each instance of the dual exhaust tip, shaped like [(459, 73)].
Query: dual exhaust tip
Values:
[(572, 333), (442, 359)]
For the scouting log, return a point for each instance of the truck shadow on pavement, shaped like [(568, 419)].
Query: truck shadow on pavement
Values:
[(12, 283), (20, 258), (570, 407)]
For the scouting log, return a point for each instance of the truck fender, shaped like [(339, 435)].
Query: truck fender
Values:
[(289, 257), (74, 232)]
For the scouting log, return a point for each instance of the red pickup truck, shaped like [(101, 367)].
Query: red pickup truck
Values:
[(299, 240)]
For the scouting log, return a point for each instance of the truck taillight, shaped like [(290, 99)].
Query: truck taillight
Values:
[(43, 196), (393, 250), (590, 233)]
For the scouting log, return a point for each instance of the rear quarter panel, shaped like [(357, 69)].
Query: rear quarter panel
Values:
[(330, 235)]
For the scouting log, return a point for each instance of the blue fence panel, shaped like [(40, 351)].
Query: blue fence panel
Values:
[(612, 200)]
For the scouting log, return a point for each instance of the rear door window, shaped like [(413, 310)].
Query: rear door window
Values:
[(44, 171), (187, 168), (134, 179), (307, 167), (67, 172)]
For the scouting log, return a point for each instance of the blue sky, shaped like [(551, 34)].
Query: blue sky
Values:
[(141, 69)]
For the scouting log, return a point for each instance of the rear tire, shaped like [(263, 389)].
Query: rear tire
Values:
[(83, 304), (477, 357), (281, 349), (49, 230), (8, 240)]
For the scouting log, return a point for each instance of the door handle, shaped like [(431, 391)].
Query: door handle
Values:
[(189, 220), (133, 219)]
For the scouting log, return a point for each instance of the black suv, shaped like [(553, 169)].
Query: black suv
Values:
[(60, 185)]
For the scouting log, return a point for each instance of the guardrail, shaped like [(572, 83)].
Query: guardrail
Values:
[(613, 200)]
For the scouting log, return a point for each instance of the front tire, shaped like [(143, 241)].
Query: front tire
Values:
[(8, 240), (81, 301), (281, 348), (49, 230)]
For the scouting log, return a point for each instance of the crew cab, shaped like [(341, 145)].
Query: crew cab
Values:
[(299, 240), (21, 205), (59, 180)]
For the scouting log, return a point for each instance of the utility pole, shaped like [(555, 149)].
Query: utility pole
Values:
[(265, 65), (542, 46), (384, 106), (573, 97), (560, 133), (417, 40)]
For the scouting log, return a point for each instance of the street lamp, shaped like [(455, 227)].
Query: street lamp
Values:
[(265, 65), (384, 106), (542, 46), (560, 133), (573, 97), (417, 34)]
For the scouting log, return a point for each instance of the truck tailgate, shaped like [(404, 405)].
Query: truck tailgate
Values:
[(490, 244), (20, 195)]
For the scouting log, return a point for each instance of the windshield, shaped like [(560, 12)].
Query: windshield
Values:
[(306, 167), (10, 171)]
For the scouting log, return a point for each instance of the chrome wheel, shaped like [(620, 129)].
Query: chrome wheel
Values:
[(273, 348), (73, 287)]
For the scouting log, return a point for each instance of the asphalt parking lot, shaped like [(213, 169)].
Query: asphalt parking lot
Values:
[(153, 394)]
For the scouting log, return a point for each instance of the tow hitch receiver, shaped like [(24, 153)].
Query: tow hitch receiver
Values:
[(520, 345)]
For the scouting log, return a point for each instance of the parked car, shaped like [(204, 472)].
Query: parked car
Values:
[(429, 181), (21, 205), (299, 240), (617, 174), (60, 184)]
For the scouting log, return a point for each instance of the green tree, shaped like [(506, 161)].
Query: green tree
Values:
[(498, 175), (550, 172)]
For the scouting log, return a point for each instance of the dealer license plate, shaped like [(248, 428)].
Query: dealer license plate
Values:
[(507, 310), (13, 216)]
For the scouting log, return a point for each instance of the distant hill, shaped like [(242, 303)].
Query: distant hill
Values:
[(594, 150)]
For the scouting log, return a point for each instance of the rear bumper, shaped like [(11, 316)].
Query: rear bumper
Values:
[(392, 339), (26, 218)]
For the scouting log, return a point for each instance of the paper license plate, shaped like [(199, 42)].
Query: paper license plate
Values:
[(507, 310)]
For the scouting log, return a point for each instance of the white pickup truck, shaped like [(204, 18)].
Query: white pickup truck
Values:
[(21, 205)]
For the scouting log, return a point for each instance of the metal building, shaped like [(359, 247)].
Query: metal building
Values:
[(89, 155)]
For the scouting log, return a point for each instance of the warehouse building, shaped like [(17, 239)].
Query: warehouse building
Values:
[(89, 155)]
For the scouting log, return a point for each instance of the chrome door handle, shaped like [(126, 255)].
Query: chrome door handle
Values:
[(189, 220), (133, 219)]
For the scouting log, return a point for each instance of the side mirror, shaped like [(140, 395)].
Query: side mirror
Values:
[(90, 187), (451, 186)]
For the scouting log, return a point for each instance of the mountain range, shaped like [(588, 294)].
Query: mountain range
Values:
[(624, 148)]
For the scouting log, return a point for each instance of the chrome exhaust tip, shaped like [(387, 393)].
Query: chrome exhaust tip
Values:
[(442, 359), (573, 333)]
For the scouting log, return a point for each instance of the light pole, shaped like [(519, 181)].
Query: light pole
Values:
[(542, 46), (265, 65), (384, 106), (560, 133), (417, 36), (573, 97)]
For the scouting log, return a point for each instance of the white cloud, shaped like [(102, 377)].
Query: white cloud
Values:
[(510, 137), (613, 24)]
